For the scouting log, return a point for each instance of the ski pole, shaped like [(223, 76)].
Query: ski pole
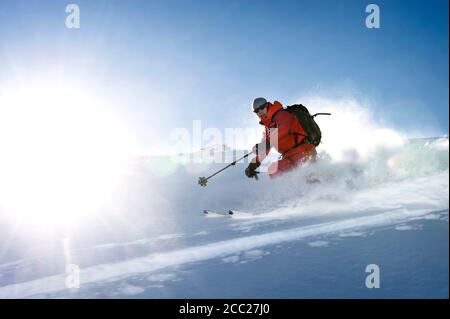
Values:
[(203, 180)]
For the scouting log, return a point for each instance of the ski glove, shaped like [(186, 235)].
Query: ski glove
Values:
[(250, 171)]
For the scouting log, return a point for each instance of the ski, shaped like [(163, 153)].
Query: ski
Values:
[(240, 214), (211, 213), (231, 213)]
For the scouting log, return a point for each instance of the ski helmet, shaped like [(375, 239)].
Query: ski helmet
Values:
[(258, 103)]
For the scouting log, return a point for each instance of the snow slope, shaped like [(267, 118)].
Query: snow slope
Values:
[(305, 240)]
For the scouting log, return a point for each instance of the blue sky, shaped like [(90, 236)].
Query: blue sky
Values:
[(165, 63)]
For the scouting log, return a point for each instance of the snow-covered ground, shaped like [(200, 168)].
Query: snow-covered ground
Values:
[(302, 240)]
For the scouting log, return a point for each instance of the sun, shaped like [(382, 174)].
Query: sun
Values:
[(61, 153)]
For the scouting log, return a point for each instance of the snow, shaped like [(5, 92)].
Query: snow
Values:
[(154, 262), (318, 243), (352, 234), (389, 209), (162, 277), (408, 227), (231, 259), (130, 290)]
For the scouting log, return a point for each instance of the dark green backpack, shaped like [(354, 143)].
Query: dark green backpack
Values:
[(313, 133)]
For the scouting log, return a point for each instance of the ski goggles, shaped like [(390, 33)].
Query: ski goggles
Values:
[(260, 108)]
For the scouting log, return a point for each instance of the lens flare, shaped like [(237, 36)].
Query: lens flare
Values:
[(61, 153)]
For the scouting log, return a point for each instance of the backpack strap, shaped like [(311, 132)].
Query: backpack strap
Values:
[(273, 116)]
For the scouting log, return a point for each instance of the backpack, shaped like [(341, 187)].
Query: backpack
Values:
[(313, 133)]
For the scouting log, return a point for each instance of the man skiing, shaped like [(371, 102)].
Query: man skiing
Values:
[(284, 132)]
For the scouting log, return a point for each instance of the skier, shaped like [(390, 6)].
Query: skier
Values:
[(284, 132)]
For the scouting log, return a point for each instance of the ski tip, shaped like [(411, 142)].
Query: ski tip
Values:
[(212, 213), (239, 214)]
